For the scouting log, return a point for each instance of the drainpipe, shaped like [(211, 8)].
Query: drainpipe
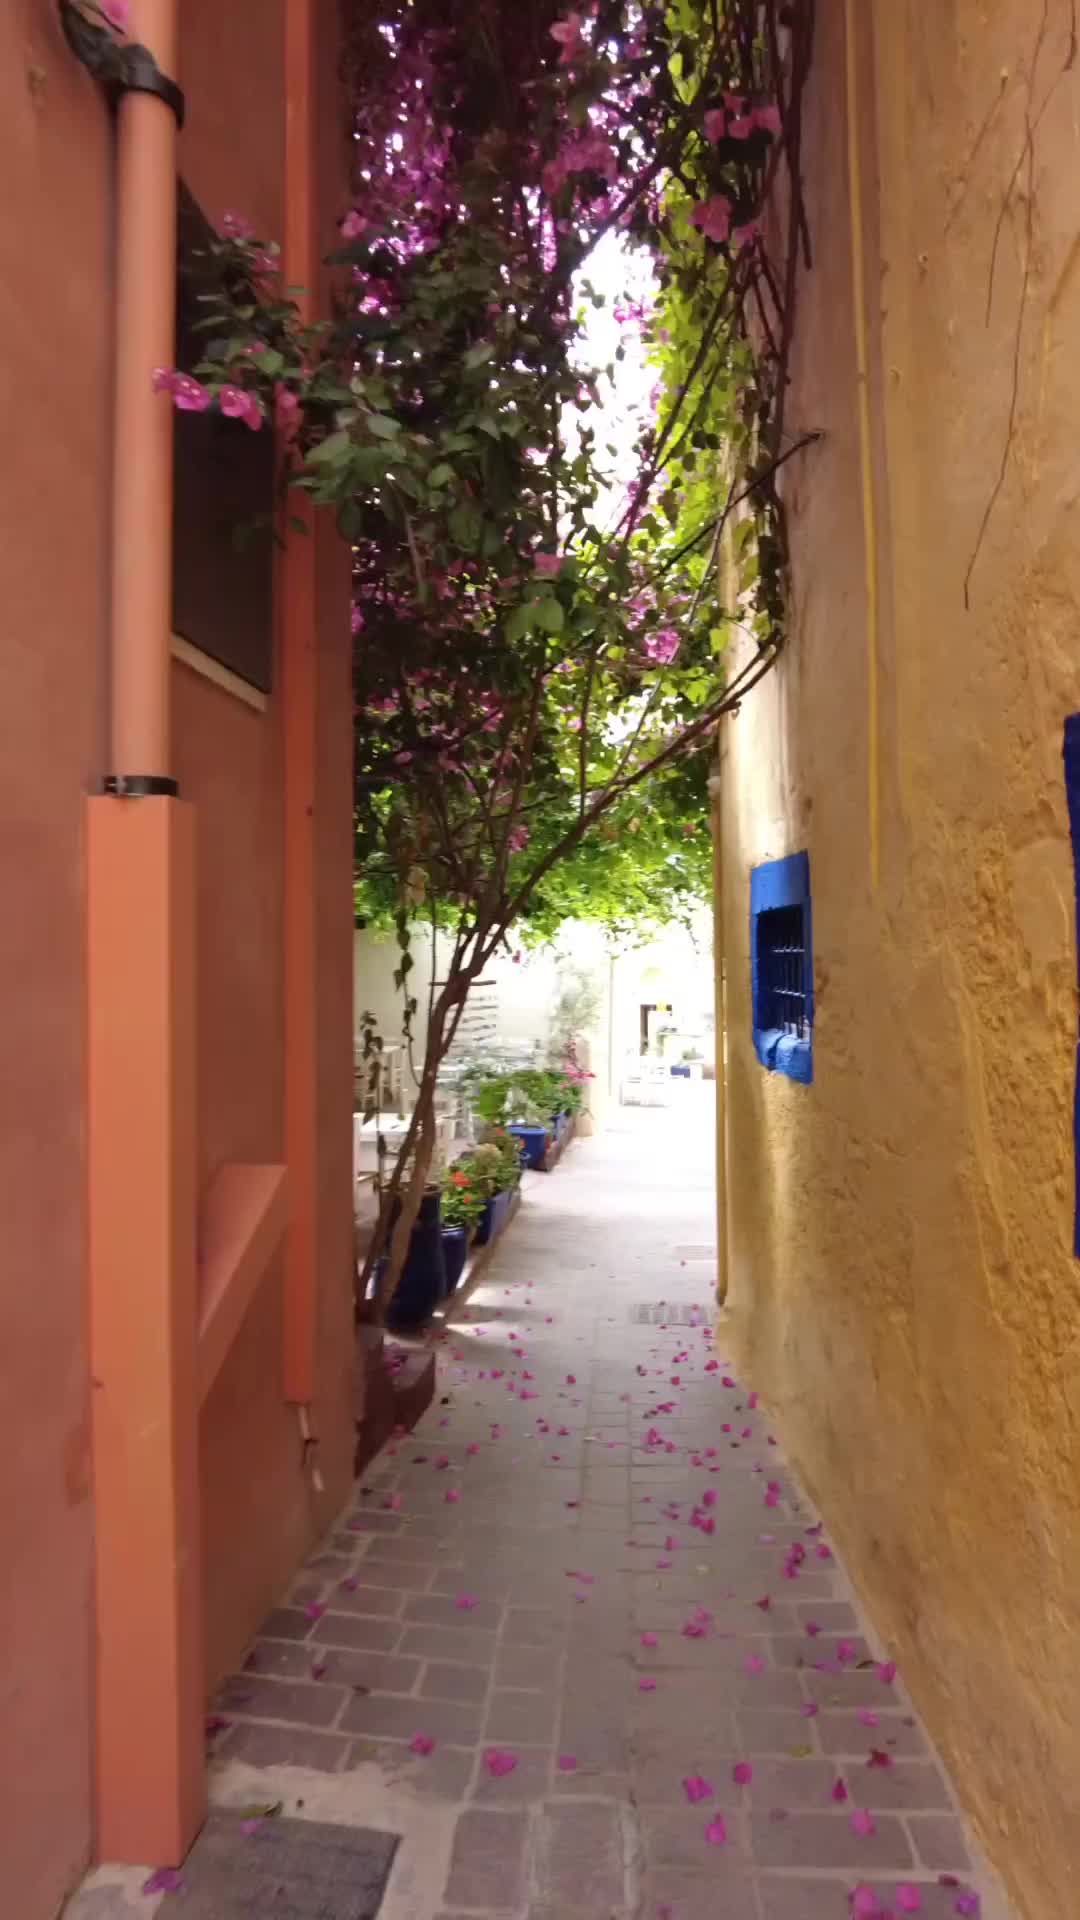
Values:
[(140, 1042), (142, 451)]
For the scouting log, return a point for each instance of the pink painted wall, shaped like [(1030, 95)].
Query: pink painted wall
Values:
[(54, 263), (55, 306), (260, 1514)]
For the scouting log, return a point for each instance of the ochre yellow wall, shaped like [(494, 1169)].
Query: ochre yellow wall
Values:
[(903, 1289)]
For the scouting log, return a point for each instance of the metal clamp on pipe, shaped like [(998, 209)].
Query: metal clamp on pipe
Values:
[(120, 67), (139, 786)]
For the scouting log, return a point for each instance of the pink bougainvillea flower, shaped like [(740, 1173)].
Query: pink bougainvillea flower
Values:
[(547, 565), (697, 1788), (767, 119), (662, 647), (845, 1652), (839, 1793), (746, 236), (650, 1639), (887, 1672), (864, 1904), (742, 1773), (568, 34), (392, 1503), (165, 1880), (908, 1898), (117, 13), (567, 1763), (237, 225), (421, 1743), (713, 219), (453, 1495), (755, 1663), (353, 225), (442, 1463), (237, 403), (867, 1717), (716, 1832), (646, 1684), (315, 1610), (466, 1602), (863, 1823), (810, 1711), (190, 396), (715, 124), (969, 1904), (473, 1447), (500, 1761), (878, 1758)]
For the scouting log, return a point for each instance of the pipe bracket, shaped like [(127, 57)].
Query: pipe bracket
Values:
[(140, 786), (120, 66), (140, 73)]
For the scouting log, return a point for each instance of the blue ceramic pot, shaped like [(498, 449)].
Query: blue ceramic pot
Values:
[(455, 1253), (422, 1286), (534, 1144)]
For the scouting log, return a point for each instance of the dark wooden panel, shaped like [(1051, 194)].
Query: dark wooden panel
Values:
[(224, 498)]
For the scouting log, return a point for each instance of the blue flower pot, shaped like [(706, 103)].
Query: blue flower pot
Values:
[(534, 1145), (494, 1217), (422, 1286), (455, 1242)]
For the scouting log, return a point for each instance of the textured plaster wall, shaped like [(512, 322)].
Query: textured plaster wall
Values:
[(902, 1282), (54, 376)]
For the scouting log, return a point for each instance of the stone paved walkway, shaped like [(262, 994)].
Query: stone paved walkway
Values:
[(571, 1586)]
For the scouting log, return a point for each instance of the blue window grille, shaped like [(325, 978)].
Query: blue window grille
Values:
[(1072, 795), (782, 966)]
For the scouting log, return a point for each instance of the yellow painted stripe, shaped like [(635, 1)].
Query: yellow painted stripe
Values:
[(866, 456)]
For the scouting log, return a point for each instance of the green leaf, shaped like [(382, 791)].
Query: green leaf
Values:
[(331, 452), (441, 475), (382, 426), (550, 617), (521, 622)]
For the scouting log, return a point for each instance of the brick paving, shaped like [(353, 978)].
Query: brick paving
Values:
[(571, 1580)]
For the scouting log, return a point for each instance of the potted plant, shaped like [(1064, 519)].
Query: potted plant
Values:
[(494, 1170), (423, 1278), (463, 1205)]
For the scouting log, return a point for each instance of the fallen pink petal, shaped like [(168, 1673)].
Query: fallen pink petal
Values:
[(697, 1788), (500, 1761), (908, 1898), (567, 1763), (165, 1880), (742, 1773), (422, 1743), (716, 1833), (863, 1823)]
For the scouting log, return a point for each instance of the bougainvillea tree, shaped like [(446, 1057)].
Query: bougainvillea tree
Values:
[(542, 650)]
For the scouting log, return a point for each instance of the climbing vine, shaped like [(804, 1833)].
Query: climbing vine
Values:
[(542, 645)]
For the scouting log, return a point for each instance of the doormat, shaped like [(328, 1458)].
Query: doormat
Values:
[(282, 1870), (654, 1313)]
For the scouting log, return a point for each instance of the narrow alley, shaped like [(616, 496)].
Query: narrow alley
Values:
[(579, 1641)]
